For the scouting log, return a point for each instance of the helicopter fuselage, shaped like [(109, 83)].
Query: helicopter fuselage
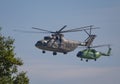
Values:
[(89, 54), (92, 54), (56, 46)]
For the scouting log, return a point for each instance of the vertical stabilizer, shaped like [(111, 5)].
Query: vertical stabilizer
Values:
[(108, 53), (89, 40)]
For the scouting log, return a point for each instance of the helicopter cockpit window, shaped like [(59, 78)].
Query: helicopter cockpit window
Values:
[(80, 54), (44, 43), (47, 38)]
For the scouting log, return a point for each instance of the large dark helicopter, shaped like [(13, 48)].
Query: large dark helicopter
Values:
[(56, 42)]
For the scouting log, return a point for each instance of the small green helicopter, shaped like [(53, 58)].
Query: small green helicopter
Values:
[(91, 53)]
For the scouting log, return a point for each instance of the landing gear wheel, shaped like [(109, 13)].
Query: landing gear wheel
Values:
[(81, 59), (54, 53), (87, 60), (64, 52), (43, 51)]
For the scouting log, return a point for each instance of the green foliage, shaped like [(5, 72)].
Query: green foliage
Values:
[(9, 63), (21, 79), (6, 80)]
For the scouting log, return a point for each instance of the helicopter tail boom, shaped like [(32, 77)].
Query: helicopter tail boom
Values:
[(108, 53)]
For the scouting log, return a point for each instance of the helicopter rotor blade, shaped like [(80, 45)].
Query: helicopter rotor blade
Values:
[(85, 28), (87, 32), (100, 46), (79, 29), (90, 29), (23, 31), (62, 28), (75, 29), (43, 30), (97, 46)]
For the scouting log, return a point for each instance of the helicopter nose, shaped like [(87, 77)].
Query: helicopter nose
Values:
[(79, 54), (38, 44)]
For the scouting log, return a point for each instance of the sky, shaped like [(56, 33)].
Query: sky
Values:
[(53, 15)]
